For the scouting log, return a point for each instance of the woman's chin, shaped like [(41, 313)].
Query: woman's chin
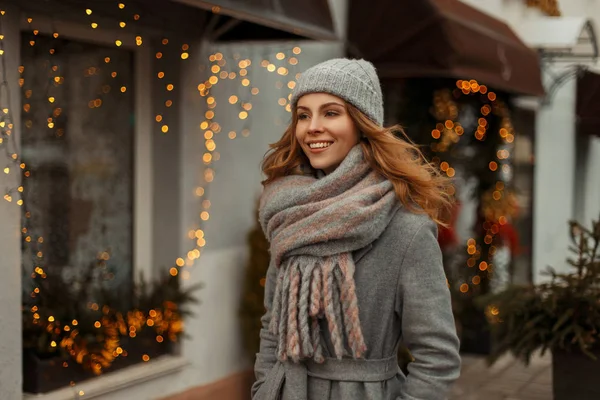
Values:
[(325, 167), (321, 165)]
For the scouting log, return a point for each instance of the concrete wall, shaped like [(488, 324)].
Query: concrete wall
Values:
[(10, 222), (215, 350)]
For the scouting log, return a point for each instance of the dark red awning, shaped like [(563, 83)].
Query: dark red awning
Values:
[(218, 20), (442, 38), (270, 19)]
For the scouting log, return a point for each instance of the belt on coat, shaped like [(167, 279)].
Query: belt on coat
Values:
[(345, 370)]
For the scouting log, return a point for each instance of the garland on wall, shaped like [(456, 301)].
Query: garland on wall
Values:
[(497, 205), (466, 130), (548, 7)]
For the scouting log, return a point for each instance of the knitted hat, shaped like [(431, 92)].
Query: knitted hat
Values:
[(355, 81)]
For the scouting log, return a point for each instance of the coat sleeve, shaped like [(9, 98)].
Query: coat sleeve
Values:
[(267, 355), (428, 327)]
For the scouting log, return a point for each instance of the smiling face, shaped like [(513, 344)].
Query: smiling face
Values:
[(324, 130)]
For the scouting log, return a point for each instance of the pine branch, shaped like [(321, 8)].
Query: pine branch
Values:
[(562, 313)]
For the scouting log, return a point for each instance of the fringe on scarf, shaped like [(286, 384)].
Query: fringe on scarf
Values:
[(309, 289)]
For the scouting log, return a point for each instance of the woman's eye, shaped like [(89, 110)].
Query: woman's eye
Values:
[(331, 114), (302, 116)]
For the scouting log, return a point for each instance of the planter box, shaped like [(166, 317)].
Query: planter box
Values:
[(41, 375), (575, 376)]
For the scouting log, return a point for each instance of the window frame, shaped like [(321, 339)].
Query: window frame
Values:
[(143, 156), (143, 203)]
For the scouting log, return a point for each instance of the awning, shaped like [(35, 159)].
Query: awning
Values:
[(268, 19), (441, 38), (217, 20), (588, 103)]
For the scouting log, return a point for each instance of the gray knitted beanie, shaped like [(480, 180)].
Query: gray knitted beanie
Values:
[(355, 81)]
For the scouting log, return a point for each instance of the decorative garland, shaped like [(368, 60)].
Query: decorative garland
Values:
[(87, 320), (498, 203), (548, 7)]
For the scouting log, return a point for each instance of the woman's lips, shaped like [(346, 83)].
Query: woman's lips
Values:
[(319, 149)]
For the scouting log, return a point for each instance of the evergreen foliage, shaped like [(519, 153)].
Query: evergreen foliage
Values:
[(563, 313), (252, 307)]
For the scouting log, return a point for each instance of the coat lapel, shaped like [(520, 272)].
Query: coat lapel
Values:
[(360, 253)]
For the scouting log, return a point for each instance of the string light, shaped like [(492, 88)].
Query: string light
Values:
[(218, 61), (173, 322), (496, 203), (134, 323)]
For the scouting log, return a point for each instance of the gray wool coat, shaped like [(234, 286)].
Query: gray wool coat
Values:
[(402, 295)]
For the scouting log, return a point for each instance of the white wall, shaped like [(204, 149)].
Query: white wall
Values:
[(215, 350), (588, 8), (515, 12), (554, 182), (509, 11), (10, 225)]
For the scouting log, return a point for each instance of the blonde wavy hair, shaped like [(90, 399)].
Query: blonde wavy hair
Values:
[(419, 186)]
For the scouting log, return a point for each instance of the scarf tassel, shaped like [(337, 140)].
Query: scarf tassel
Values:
[(308, 291)]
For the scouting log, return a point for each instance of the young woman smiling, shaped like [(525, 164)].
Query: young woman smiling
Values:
[(351, 213)]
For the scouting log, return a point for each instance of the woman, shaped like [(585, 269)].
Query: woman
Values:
[(350, 212)]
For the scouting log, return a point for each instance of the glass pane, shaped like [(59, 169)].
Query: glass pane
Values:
[(77, 143)]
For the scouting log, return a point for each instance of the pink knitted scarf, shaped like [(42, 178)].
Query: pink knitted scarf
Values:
[(313, 226)]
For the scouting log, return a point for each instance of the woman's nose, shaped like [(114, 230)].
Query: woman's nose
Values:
[(315, 126)]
